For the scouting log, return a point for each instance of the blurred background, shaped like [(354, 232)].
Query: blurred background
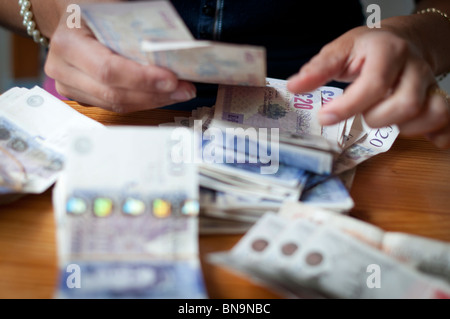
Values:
[(21, 60)]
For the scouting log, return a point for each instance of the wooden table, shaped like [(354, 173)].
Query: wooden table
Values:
[(406, 189)]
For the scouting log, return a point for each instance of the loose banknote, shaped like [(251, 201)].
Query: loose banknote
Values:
[(127, 217), (374, 142), (338, 132), (339, 266), (330, 193), (306, 252), (152, 32), (427, 255), (34, 128)]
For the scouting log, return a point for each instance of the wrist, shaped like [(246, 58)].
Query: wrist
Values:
[(48, 14), (51, 13), (428, 33), (29, 23)]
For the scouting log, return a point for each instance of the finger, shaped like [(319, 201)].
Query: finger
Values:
[(320, 69), (434, 118), (441, 138), (408, 99), (377, 77), (91, 57), (86, 90), (127, 101)]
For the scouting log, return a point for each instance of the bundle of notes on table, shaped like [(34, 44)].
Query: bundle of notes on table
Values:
[(307, 252), (263, 146), (34, 128)]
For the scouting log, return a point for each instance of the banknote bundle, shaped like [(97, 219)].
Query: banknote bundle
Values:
[(233, 193), (263, 146), (152, 32), (273, 106), (308, 252), (328, 154), (34, 128), (126, 217)]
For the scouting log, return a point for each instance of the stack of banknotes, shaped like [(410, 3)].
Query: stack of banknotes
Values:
[(308, 252), (127, 218), (34, 129), (263, 146), (152, 32)]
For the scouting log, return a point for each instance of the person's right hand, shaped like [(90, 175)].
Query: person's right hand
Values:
[(89, 73)]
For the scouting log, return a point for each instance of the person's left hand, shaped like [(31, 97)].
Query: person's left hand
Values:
[(392, 84)]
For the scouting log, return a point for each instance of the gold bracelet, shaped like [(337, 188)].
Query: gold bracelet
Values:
[(28, 22), (443, 14)]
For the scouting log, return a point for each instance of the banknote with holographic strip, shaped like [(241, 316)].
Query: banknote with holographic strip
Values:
[(124, 212), (149, 279), (113, 224)]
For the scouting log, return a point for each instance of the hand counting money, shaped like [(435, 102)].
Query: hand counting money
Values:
[(152, 32)]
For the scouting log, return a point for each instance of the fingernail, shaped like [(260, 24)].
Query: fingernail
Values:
[(328, 118), (441, 141), (165, 85), (292, 77), (297, 76), (182, 95)]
